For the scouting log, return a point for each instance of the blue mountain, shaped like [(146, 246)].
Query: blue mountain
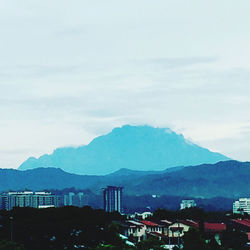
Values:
[(223, 179), (133, 147)]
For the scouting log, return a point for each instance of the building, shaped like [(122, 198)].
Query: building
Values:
[(72, 199), (152, 227), (112, 199), (241, 206), (136, 230), (187, 204), (178, 228), (27, 199), (242, 225), (140, 216)]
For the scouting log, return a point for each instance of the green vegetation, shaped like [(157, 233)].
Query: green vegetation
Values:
[(233, 239), (8, 245), (60, 228), (150, 243), (190, 213)]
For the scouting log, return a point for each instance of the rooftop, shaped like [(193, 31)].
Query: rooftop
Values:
[(214, 226), (245, 222), (135, 223), (190, 223), (149, 223)]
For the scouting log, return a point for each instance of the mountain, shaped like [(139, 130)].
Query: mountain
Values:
[(123, 172), (43, 178), (134, 147), (225, 179)]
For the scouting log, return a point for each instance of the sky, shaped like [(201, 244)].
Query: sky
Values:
[(74, 70)]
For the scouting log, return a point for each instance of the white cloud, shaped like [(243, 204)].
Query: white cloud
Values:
[(72, 71)]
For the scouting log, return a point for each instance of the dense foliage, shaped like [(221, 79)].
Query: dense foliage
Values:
[(59, 228), (86, 228)]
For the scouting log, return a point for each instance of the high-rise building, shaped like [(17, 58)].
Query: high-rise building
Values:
[(112, 197), (241, 206), (27, 199), (72, 199)]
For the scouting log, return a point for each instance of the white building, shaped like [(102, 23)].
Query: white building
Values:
[(152, 227), (140, 216), (241, 206), (137, 230), (113, 199), (27, 199), (187, 204), (72, 199)]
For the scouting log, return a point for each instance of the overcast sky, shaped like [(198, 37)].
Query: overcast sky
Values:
[(73, 70)]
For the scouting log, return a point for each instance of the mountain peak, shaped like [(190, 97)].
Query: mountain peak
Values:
[(141, 129), (133, 147)]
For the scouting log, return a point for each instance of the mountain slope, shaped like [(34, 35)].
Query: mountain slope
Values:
[(43, 178), (134, 147), (225, 179)]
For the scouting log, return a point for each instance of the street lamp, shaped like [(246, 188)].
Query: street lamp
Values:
[(11, 228)]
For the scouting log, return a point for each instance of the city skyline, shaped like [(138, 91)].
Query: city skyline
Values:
[(70, 73)]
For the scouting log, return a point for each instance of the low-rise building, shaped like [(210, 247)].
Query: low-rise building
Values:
[(241, 206), (178, 228), (152, 226), (214, 227), (187, 204), (241, 225), (136, 230), (141, 216)]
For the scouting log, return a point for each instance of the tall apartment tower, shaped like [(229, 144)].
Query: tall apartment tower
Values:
[(112, 197), (72, 199)]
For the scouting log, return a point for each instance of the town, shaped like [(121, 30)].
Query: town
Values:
[(159, 229)]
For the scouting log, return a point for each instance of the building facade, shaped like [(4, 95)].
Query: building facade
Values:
[(112, 199), (187, 204), (241, 206), (74, 199), (10, 200)]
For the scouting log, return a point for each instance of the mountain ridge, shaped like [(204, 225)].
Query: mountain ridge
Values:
[(226, 179)]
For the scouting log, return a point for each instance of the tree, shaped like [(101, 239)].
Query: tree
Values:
[(150, 243), (9, 245), (233, 239), (193, 240)]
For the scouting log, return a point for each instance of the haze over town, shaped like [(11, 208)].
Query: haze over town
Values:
[(72, 71)]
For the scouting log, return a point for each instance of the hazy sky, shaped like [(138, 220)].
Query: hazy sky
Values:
[(72, 70)]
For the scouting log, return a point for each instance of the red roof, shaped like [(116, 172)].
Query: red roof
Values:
[(149, 223), (214, 226), (245, 222)]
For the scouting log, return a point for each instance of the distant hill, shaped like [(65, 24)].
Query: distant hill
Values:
[(225, 179), (134, 147), (43, 178)]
